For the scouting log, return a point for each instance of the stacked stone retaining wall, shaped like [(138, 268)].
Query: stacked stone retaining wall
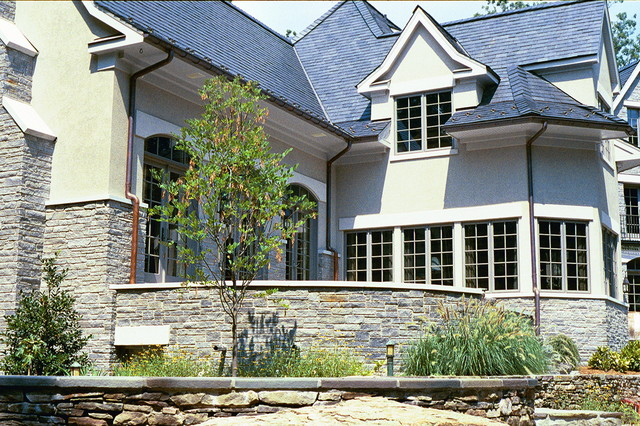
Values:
[(105, 401), (568, 390)]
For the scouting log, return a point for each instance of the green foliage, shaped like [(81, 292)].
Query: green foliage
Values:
[(329, 361), (497, 6), (241, 192), (44, 337), (565, 351), (477, 338), (625, 42), (171, 362), (631, 353), (599, 398), (606, 359)]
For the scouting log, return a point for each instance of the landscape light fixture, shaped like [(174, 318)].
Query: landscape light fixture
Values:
[(75, 369), (390, 355)]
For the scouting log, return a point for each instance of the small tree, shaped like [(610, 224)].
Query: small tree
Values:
[(44, 337), (233, 200)]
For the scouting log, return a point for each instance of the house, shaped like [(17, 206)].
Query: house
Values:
[(476, 157)]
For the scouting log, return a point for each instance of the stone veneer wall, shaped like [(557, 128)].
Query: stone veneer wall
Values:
[(103, 401), (572, 388), (590, 322), (25, 170), (360, 317), (93, 240)]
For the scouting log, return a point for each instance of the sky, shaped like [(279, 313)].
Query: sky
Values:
[(297, 15)]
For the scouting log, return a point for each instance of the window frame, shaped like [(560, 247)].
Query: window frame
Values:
[(428, 255), (424, 150), (293, 248), (633, 139), (563, 253), (491, 258), (369, 254), (169, 166), (609, 257)]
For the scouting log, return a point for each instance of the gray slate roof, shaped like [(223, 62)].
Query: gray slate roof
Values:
[(626, 71), (227, 38), (338, 51), (532, 96)]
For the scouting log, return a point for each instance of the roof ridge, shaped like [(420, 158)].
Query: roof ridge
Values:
[(389, 21), (313, 88), (318, 21), (257, 21), (544, 5)]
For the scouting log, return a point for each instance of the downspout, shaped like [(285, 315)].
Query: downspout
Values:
[(532, 230), (334, 253), (130, 195)]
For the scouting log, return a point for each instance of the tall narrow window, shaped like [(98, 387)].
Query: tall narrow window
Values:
[(370, 256), (161, 252), (609, 245), (563, 256), (631, 219), (432, 246), (419, 121), (632, 119), (491, 255), (301, 251), (633, 275)]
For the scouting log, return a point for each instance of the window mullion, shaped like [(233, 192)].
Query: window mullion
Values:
[(563, 254), (369, 261), (423, 118), (491, 284)]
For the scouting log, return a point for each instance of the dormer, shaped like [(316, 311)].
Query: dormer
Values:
[(425, 60)]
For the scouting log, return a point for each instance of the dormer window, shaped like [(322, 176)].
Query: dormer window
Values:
[(632, 119), (419, 121)]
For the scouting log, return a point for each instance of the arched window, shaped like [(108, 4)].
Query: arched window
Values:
[(633, 275), (161, 260), (301, 253)]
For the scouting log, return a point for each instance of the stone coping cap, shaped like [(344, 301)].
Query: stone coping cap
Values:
[(586, 376), (541, 413), (258, 383)]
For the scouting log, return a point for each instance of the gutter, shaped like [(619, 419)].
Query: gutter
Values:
[(130, 195), (532, 230), (334, 253), (489, 124)]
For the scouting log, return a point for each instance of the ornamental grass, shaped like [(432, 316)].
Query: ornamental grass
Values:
[(169, 362), (476, 338)]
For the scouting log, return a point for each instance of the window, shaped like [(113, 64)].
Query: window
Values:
[(632, 119), (370, 256), (609, 245), (160, 258), (491, 255), (300, 252), (631, 218), (563, 256), (633, 275), (419, 121), (435, 244)]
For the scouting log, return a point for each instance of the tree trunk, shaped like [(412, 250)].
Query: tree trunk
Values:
[(234, 346)]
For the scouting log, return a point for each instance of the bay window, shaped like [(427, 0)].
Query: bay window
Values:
[(563, 256), (370, 256), (428, 255)]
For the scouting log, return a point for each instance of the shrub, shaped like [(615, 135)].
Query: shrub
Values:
[(606, 359), (332, 361), (477, 338), (564, 351), (44, 337), (171, 362), (631, 354)]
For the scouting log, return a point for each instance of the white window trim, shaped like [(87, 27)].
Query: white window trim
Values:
[(369, 239), (425, 152), (563, 243)]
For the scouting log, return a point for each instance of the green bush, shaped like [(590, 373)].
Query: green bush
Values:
[(44, 337), (564, 351), (606, 359), (170, 362), (477, 338), (631, 354), (331, 361)]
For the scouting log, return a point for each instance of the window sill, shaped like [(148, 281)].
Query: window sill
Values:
[(440, 152)]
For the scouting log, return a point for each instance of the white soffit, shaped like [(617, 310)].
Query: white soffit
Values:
[(13, 38), (627, 156), (143, 335), (27, 119)]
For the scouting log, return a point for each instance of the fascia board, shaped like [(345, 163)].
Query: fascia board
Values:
[(418, 18), (131, 36), (27, 119), (13, 38), (627, 156)]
